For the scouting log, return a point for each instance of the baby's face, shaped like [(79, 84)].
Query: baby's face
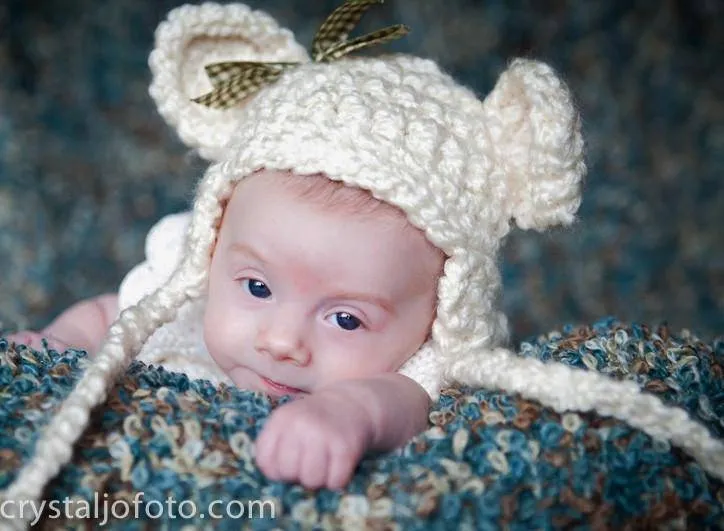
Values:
[(301, 296)]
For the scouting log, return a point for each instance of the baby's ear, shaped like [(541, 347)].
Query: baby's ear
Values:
[(536, 134), (192, 37)]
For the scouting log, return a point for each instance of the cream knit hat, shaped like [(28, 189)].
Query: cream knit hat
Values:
[(460, 168)]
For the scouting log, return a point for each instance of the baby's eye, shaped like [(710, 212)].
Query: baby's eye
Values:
[(347, 321), (257, 288)]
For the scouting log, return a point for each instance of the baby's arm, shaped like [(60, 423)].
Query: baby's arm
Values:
[(319, 439), (82, 326), (396, 405)]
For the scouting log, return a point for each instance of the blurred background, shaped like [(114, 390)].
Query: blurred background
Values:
[(87, 166)]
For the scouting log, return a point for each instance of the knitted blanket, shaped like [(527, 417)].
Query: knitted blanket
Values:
[(167, 451)]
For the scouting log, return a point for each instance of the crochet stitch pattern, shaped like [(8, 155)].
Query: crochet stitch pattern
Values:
[(489, 459)]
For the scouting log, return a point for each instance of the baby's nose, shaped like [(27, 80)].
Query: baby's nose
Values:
[(283, 340)]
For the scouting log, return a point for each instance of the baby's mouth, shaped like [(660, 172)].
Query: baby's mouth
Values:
[(281, 388)]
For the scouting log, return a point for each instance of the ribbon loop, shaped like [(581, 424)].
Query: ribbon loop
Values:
[(233, 81)]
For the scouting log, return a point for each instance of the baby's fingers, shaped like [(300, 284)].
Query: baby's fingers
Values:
[(266, 451), (315, 465), (26, 337), (343, 461), (34, 340), (289, 456)]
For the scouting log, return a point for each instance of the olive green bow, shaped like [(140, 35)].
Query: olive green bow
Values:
[(235, 80)]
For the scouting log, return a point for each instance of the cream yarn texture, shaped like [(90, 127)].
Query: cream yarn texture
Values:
[(463, 169)]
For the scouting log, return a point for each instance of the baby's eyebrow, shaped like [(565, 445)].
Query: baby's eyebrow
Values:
[(377, 300), (242, 248)]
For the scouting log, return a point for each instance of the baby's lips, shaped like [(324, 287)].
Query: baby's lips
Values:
[(280, 387)]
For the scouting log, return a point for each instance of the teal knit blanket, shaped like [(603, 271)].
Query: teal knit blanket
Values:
[(166, 451)]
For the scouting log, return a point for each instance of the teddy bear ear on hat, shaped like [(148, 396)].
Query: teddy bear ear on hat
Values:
[(536, 135), (194, 37)]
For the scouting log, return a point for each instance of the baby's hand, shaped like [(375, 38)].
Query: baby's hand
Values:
[(35, 340), (316, 441)]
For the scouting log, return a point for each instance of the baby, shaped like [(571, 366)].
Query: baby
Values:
[(317, 290), (343, 243)]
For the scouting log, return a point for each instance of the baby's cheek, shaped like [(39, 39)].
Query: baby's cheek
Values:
[(211, 340), (216, 337), (362, 363)]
